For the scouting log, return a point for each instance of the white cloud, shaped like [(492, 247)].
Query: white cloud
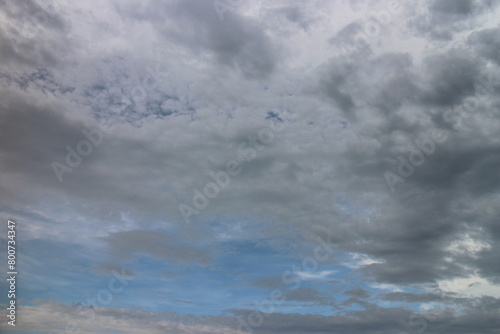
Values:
[(312, 276), (473, 286), (360, 260), (468, 245)]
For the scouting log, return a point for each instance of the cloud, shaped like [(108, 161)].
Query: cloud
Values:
[(352, 109), (155, 244), (441, 20), (136, 321), (236, 41), (321, 275), (486, 43)]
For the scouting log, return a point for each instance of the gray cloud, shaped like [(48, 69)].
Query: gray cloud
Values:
[(487, 44), (155, 244), (484, 319), (441, 20), (235, 42), (347, 117), (35, 34)]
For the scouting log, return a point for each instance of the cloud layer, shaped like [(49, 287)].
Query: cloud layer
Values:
[(341, 155)]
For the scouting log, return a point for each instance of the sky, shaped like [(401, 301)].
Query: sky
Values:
[(249, 166)]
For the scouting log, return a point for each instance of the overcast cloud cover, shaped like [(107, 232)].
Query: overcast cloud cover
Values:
[(250, 166)]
